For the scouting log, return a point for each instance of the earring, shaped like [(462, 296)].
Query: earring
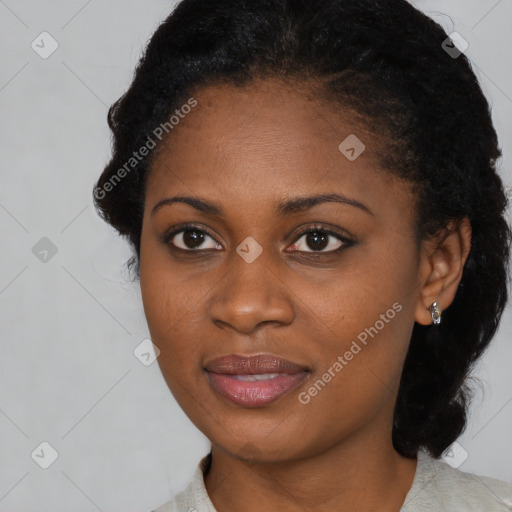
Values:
[(435, 313)]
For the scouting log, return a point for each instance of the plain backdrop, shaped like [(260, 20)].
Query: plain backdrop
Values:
[(70, 317)]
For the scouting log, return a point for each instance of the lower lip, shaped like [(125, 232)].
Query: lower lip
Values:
[(255, 393)]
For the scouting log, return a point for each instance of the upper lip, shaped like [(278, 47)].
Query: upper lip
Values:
[(234, 364)]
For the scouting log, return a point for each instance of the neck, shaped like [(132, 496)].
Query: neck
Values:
[(363, 473)]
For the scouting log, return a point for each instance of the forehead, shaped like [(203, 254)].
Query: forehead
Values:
[(268, 140)]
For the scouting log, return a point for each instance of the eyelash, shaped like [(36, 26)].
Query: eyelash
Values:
[(346, 241)]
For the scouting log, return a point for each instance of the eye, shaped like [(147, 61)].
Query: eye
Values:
[(191, 238), (315, 239), (318, 238)]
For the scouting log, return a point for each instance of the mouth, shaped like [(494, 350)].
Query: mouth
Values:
[(255, 380)]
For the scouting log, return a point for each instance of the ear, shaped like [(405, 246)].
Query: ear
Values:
[(442, 260)]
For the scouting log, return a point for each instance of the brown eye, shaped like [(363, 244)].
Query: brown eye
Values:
[(320, 240), (192, 239)]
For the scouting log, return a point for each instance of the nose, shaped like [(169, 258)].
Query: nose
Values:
[(250, 295)]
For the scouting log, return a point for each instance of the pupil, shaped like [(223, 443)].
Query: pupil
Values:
[(316, 237), (193, 238)]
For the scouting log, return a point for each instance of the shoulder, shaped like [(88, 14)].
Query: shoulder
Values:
[(438, 486)]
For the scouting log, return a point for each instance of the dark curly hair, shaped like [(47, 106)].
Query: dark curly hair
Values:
[(386, 61)]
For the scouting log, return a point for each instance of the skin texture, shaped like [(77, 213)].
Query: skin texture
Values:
[(247, 149)]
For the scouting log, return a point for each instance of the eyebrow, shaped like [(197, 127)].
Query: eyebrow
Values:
[(283, 208)]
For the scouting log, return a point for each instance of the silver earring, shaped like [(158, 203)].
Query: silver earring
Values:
[(435, 313)]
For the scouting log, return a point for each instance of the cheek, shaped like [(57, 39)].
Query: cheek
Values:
[(165, 297), (172, 317), (169, 305), (363, 351), (368, 325), (171, 314), (357, 371), (174, 306)]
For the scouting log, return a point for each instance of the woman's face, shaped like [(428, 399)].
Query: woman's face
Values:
[(337, 305)]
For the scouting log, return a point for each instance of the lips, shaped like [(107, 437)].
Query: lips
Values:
[(255, 380), (252, 365)]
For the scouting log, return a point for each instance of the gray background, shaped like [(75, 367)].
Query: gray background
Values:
[(69, 325)]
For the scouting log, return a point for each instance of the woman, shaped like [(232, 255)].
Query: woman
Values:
[(318, 226)]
